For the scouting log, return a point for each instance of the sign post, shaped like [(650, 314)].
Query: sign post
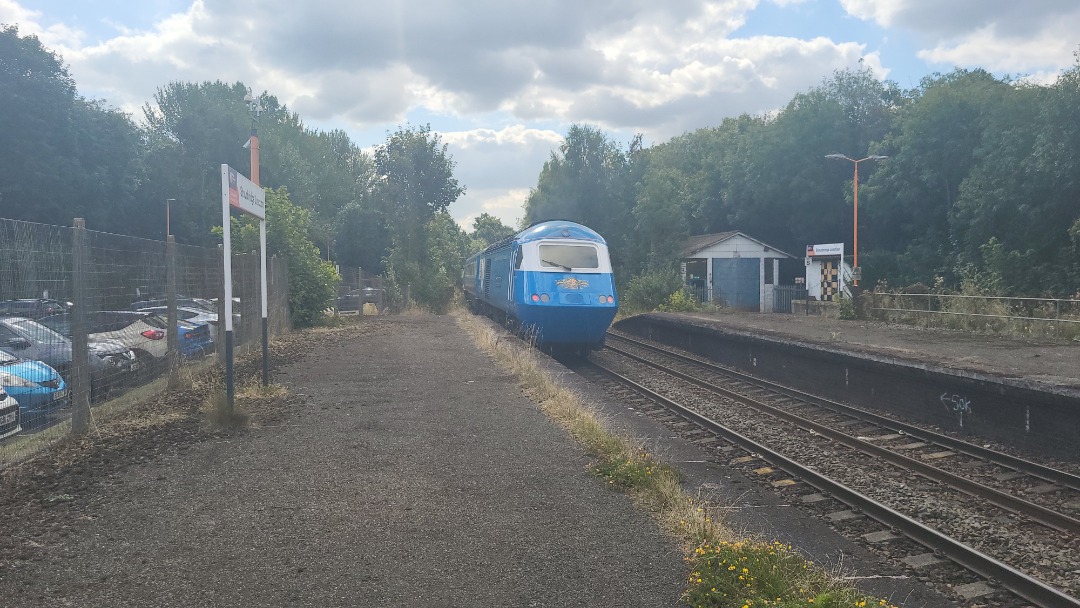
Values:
[(243, 194)]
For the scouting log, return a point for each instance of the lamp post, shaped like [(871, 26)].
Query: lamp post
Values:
[(255, 109), (168, 229), (855, 240)]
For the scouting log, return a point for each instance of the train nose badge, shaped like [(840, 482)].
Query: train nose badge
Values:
[(571, 283)]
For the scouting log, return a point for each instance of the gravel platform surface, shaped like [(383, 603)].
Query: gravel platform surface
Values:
[(1052, 363), (412, 473)]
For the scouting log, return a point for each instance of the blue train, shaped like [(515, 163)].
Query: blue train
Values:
[(551, 282)]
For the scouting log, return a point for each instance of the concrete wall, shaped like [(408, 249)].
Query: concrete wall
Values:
[(1009, 411)]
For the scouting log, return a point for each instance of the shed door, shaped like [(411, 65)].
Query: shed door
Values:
[(737, 282)]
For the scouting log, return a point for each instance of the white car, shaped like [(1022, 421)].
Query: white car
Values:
[(9, 415)]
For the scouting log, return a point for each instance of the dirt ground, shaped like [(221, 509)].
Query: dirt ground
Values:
[(1054, 363)]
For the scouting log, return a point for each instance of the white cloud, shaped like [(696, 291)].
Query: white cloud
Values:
[(1035, 36)]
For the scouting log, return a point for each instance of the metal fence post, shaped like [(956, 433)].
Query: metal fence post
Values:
[(170, 301), (80, 356)]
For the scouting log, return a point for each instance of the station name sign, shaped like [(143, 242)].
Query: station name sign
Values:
[(242, 193), (820, 250)]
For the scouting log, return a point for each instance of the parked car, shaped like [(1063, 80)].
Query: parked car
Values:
[(112, 365), (355, 299), (9, 415), (191, 315), (194, 339), (142, 333), (33, 308), (201, 303), (38, 388)]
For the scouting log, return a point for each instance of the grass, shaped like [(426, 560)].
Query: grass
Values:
[(725, 568)]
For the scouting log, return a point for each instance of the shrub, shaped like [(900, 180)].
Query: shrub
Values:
[(650, 290)]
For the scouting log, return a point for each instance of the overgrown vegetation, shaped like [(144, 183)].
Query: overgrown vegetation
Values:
[(725, 570), (975, 307), (649, 290)]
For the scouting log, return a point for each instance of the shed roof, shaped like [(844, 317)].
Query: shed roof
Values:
[(700, 242)]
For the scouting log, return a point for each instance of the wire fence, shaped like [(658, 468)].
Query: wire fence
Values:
[(1030, 317), (357, 288), (87, 317)]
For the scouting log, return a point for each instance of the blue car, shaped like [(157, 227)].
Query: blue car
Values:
[(193, 339), (37, 387)]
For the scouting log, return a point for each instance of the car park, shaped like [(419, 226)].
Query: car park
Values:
[(38, 388), (143, 333), (33, 308), (112, 365), (9, 415), (191, 315), (200, 303)]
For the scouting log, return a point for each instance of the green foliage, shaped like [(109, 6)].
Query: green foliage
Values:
[(758, 574), (312, 281), (589, 181), (488, 229), (681, 301), (649, 290), (431, 281), (64, 157)]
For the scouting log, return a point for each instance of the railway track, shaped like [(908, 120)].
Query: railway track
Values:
[(1011, 521)]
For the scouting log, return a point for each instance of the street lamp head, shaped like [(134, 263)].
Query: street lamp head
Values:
[(838, 157), (876, 157), (253, 104)]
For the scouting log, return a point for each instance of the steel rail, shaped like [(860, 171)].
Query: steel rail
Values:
[(1038, 513), (1015, 581), (1034, 469)]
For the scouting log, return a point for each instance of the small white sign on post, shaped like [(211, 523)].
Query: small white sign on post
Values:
[(242, 193)]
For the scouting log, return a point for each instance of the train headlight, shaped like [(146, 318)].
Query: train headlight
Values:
[(611, 299), (535, 298), (544, 297)]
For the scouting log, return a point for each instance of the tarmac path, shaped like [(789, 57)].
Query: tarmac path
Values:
[(412, 473)]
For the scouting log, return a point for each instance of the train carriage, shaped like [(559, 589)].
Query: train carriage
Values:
[(551, 281)]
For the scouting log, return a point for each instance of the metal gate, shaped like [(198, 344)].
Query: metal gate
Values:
[(784, 295)]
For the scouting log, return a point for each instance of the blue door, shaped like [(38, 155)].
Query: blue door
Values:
[(737, 283)]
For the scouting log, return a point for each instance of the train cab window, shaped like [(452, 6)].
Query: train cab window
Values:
[(568, 257), (517, 258)]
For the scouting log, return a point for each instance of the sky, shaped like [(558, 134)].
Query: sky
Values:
[(501, 81)]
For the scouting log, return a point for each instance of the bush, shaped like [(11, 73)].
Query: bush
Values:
[(650, 290), (681, 301)]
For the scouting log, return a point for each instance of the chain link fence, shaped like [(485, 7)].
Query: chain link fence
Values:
[(86, 317)]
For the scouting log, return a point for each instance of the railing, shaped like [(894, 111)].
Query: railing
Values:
[(1034, 317)]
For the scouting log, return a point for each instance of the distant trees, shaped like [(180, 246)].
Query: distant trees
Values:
[(62, 156), (416, 185), (980, 181), (488, 229)]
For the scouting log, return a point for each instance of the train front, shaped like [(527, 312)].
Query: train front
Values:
[(564, 290)]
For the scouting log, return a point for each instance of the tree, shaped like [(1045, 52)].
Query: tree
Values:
[(488, 229), (312, 281), (586, 181), (65, 156), (913, 194), (416, 182)]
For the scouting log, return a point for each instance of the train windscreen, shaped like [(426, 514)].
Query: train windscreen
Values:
[(568, 257)]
